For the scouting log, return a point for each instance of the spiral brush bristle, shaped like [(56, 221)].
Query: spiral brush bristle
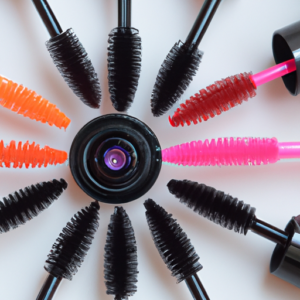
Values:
[(76, 68), (73, 243), (214, 205), (171, 242), (224, 151), (28, 103), (216, 98), (20, 207), (29, 155), (120, 264), (175, 75), (124, 66)]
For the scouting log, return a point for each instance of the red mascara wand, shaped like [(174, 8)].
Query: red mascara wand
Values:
[(29, 154), (225, 94)]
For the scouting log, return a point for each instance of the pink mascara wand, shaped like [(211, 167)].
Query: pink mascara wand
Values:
[(231, 151), (233, 90)]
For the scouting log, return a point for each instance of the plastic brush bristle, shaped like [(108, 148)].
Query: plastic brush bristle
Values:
[(124, 66), (215, 99), (223, 152), (175, 75), (28, 103), (71, 247), (29, 155), (214, 205), (76, 68), (120, 259), (171, 242), (25, 204)]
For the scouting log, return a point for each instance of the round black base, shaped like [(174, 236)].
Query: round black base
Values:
[(97, 171)]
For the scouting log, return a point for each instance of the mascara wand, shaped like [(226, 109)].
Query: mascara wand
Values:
[(234, 90), (29, 155), (233, 214), (124, 59), (28, 103), (70, 58), (120, 259), (175, 248), (23, 205), (181, 64), (70, 249), (231, 151)]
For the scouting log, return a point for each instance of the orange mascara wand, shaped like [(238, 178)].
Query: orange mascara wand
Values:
[(29, 154), (28, 103)]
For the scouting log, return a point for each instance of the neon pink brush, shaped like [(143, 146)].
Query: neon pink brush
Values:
[(231, 151), (225, 94)]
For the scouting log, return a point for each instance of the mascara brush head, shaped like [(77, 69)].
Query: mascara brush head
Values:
[(124, 66), (174, 77), (171, 242), (76, 68), (29, 155), (214, 205), (120, 264), (73, 243), (23, 205)]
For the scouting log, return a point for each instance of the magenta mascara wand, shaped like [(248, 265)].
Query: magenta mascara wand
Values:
[(231, 151), (234, 90)]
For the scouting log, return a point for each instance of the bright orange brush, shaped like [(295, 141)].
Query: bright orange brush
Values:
[(28, 103), (29, 154)]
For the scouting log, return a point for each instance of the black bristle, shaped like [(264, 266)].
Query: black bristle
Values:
[(175, 75), (20, 207), (214, 205), (120, 264), (171, 242), (70, 249), (124, 66), (76, 68)]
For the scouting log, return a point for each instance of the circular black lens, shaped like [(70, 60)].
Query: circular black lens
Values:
[(115, 158)]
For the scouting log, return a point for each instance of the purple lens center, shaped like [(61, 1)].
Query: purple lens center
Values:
[(115, 158)]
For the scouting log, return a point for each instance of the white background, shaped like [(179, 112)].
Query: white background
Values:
[(238, 40)]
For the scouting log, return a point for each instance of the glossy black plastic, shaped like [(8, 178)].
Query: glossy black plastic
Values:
[(49, 288), (48, 17), (269, 232), (202, 22), (196, 288), (102, 183), (124, 13), (286, 46), (285, 261)]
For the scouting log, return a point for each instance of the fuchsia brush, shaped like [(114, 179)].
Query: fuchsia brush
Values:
[(231, 151), (225, 94)]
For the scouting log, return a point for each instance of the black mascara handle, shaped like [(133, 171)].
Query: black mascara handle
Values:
[(48, 17), (202, 22), (49, 288), (196, 288), (269, 232), (124, 13)]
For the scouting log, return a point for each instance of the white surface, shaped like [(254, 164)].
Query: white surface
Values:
[(238, 40)]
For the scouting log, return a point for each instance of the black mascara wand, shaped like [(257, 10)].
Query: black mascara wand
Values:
[(21, 206), (120, 264), (124, 59), (233, 214), (70, 249), (182, 63), (70, 58), (175, 248)]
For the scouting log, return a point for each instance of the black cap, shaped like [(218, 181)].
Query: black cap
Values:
[(285, 261), (286, 46)]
